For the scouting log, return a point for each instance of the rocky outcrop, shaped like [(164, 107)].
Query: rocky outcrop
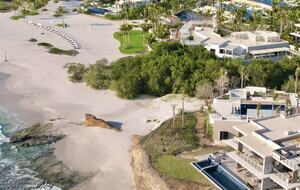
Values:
[(38, 137), (37, 134), (145, 177), (93, 121)]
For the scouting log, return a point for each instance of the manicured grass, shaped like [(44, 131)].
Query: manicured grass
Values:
[(135, 42), (179, 168)]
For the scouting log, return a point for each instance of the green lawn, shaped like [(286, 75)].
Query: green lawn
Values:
[(135, 42), (179, 168)]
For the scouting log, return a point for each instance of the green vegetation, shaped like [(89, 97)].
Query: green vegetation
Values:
[(130, 13), (45, 44), (135, 44), (169, 140), (174, 68), (179, 168), (32, 40), (98, 76), (58, 51), (6, 6), (27, 7), (63, 25), (60, 11), (163, 144), (76, 71)]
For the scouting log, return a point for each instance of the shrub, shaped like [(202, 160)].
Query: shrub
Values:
[(32, 40), (98, 76), (58, 51), (45, 44), (76, 71)]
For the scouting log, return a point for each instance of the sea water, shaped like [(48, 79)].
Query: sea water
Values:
[(14, 165)]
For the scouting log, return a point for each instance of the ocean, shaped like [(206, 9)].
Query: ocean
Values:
[(14, 164)]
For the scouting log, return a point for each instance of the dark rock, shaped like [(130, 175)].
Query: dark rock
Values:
[(37, 134)]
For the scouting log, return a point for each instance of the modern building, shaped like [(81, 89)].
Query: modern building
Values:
[(267, 150), (296, 34), (244, 45), (241, 105)]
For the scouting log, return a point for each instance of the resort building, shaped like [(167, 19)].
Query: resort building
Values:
[(244, 45), (296, 34), (136, 3), (267, 151), (241, 105)]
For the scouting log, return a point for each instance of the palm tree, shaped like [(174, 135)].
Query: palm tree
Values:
[(145, 29), (296, 85), (274, 98), (223, 80), (182, 113), (296, 79), (258, 108), (174, 115), (243, 75), (209, 110), (125, 28)]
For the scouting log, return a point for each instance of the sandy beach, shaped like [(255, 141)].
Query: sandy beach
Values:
[(35, 86)]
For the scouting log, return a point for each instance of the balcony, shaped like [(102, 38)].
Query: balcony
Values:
[(286, 160), (284, 176), (252, 160)]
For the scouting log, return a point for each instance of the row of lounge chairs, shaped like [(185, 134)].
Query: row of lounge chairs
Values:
[(73, 42)]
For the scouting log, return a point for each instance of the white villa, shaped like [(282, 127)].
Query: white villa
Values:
[(120, 3), (241, 105), (267, 151), (245, 45), (296, 34)]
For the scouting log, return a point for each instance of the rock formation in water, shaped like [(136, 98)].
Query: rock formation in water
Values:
[(37, 134), (41, 135), (93, 121)]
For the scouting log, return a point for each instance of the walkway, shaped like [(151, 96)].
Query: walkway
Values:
[(66, 37)]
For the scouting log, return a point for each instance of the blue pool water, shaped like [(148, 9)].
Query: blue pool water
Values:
[(219, 175), (267, 2)]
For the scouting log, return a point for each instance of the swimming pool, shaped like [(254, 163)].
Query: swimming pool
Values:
[(219, 175)]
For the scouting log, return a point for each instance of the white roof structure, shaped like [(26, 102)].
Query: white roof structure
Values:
[(264, 136)]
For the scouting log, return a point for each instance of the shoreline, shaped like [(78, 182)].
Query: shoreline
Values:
[(21, 113), (41, 85)]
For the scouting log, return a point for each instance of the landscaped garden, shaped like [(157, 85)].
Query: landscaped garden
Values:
[(132, 43)]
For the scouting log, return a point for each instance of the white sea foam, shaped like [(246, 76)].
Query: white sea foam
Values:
[(3, 138)]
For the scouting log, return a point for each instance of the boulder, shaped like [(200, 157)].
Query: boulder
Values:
[(93, 121)]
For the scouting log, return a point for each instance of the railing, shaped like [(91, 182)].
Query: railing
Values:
[(250, 161), (283, 176), (284, 160)]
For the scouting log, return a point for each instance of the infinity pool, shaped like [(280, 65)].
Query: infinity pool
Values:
[(219, 175)]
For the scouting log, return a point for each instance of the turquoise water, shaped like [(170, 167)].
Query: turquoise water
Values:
[(14, 171)]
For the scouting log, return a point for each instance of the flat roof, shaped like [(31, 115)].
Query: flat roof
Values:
[(269, 50), (261, 147), (297, 34), (211, 36), (261, 135), (279, 123)]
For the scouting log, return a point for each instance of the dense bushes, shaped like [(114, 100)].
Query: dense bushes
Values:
[(173, 68), (98, 76)]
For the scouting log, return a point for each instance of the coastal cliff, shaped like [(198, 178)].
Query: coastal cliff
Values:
[(145, 177)]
